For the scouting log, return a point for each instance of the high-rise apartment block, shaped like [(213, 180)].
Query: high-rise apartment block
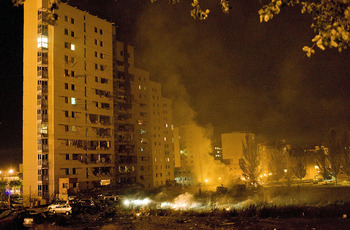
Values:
[(67, 100), (90, 118), (143, 130)]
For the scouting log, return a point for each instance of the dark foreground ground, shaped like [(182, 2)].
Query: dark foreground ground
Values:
[(207, 222)]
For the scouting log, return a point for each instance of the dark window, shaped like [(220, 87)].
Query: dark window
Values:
[(66, 128), (95, 41), (95, 54), (66, 99), (72, 20), (96, 79), (72, 74), (101, 31), (66, 85), (96, 66), (73, 87), (66, 171), (66, 31), (95, 29), (74, 171), (67, 157), (101, 55), (73, 114), (72, 34), (66, 113), (66, 72), (101, 43)]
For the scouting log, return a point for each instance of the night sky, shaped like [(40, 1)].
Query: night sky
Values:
[(231, 72)]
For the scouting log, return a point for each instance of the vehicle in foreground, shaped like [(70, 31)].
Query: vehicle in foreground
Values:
[(63, 208)]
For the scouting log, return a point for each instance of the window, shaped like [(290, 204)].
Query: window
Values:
[(95, 54), (72, 47), (101, 43), (72, 34), (67, 45), (73, 101), (96, 66), (65, 31), (102, 67), (104, 80), (72, 59), (66, 72), (65, 85), (66, 128), (67, 157), (72, 20), (96, 79), (65, 58), (95, 29), (74, 171), (101, 55), (66, 171), (73, 87), (95, 41), (65, 99), (66, 18), (84, 38), (74, 128), (66, 113), (73, 114), (101, 31), (43, 42), (72, 74)]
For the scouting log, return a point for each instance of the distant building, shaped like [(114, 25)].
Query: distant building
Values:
[(190, 153), (232, 150)]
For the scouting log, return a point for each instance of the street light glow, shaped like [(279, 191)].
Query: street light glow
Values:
[(11, 171)]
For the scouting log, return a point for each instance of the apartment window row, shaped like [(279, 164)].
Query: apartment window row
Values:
[(72, 101), (160, 174), (104, 93), (102, 56), (70, 128), (98, 30), (96, 42), (72, 114), (68, 59), (69, 45), (66, 32), (68, 73), (100, 67), (102, 80), (101, 105), (66, 19), (73, 171), (66, 86)]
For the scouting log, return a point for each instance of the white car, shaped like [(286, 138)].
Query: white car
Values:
[(63, 208), (56, 204)]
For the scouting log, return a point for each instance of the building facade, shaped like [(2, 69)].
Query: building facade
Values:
[(143, 131), (67, 100)]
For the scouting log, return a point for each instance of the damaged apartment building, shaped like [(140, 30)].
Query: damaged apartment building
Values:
[(90, 118)]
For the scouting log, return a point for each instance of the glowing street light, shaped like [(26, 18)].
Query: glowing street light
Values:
[(206, 180), (219, 178), (10, 171)]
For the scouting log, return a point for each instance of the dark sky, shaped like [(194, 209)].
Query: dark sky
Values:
[(236, 73)]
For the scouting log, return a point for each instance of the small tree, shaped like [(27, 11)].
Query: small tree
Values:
[(276, 163), (345, 144), (322, 163), (250, 163), (3, 187), (334, 154), (15, 184), (298, 162)]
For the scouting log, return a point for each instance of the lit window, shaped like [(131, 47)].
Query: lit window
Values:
[(72, 47), (73, 101), (43, 42), (74, 128), (164, 138)]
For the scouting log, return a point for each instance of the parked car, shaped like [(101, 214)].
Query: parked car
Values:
[(63, 208), (32, 218), (56, 204)]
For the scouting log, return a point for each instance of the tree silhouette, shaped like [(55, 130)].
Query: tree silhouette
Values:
[(250, 163), (298, 162)]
